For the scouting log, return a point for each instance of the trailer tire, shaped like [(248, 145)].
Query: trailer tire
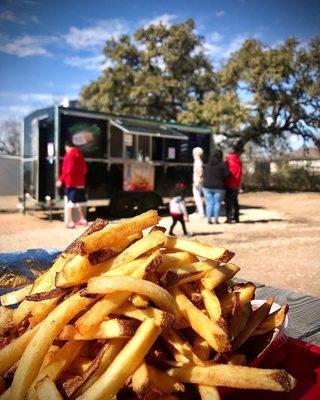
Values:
[(150, 201), (122, 205)]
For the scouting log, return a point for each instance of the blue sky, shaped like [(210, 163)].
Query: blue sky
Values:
[(50, 49)]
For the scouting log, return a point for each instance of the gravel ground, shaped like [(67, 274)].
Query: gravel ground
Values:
[(276, 243)]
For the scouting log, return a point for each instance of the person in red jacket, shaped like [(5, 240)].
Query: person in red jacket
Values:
[(233, 184), (73, 177)]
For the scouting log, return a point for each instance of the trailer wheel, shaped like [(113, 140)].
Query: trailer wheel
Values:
[(122, 205), (151, 200)]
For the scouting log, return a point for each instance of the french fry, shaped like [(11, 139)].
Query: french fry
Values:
[(132, 355), (175, 260), (47, 390), (199, 249), (161, 318), (246, 293), (110, 350), (162, 298), (255, 318), (182, 346), (139, 301), (79, 365), (62, 359), (186, 273), (15, 296), (2, 385), (237, 359), (13, 351), (213, 333), (149, 242), (78, 270), (208, 392), (140, 380), (238, 321), (202, 348), (220, 274), (111, 234), (33, 355), (113, 328), (235, 376), (272, 321), (6, 322), (163, 382), (111, 302), (211, 303)]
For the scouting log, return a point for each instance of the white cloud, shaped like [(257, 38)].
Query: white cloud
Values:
[(164, 19), (219, 52), (220, 13), (214, 37), (8, 16), (94, 63), (25, 46), (94, 36)]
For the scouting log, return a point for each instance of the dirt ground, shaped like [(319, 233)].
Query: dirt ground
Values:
[(276, 243)]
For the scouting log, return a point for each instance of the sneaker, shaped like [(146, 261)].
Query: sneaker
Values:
[(82, 222), (70, 225), (210, 222)]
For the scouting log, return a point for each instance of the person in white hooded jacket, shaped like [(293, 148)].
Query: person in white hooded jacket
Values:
[(197, 183)]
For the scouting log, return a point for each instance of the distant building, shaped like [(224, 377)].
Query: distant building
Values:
[(308, 158)]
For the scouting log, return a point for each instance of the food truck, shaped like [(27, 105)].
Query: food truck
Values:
[(132, 161)]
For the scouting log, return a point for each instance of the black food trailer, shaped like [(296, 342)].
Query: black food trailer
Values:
[(132, 161)]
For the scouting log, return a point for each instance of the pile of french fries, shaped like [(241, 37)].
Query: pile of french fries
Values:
[(127, 314)]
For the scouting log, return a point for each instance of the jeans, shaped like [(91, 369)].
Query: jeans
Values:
[(197, 189), (232, 205), (213, 199)]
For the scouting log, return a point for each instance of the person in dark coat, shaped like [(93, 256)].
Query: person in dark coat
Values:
[(214, 185), (234, 165)]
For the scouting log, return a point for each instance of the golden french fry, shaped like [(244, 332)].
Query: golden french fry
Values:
[(132, 355), (149, 242), (110, 329), (162, 298), (255, 318), (139, 301), (33, 355), (13, 351), (175, 260), (15, 296), (47, 390), (6, 322), (182, 346), (220, 274), (211, 303), (199, 249), (111, 302), (163, 382), (235, 376), (140, 380), (246, 293), (162, 318), (238, 321), (60, 362), (111, 234), (208, 392), (79, 365), (237, 359), (186, 273), (272, 321), (212, 332)]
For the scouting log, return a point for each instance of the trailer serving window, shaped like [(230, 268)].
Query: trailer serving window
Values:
[(144, 140)]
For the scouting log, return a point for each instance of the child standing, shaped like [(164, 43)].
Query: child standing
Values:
[(178, 209)]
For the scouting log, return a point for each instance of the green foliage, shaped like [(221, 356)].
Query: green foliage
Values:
[(163, 72), (154, 74)]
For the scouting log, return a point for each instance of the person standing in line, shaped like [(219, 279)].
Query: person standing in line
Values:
[(197, 153), (214, 185), (73, 177), (178, 209), (234, 165)]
